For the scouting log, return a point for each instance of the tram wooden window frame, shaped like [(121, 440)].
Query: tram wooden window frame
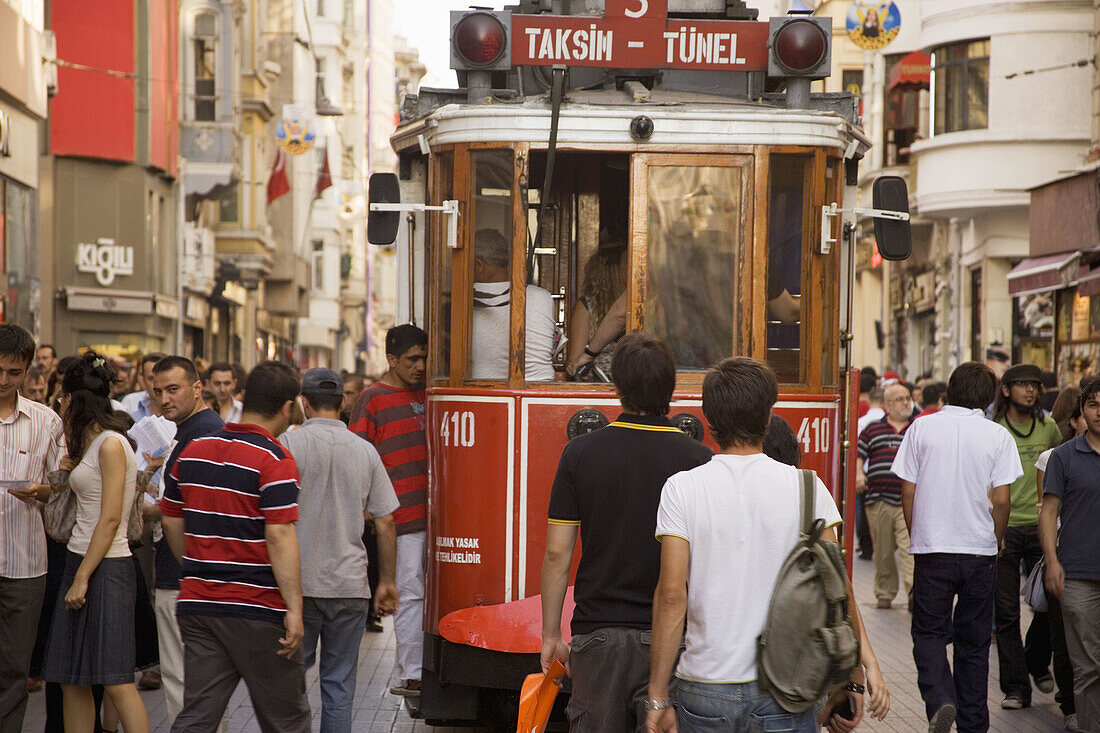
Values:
[(751, 339), (638, 226), (435, 247)]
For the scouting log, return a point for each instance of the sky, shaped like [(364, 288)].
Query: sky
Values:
[(427, 26)]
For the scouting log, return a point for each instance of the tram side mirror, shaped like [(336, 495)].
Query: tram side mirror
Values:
[(889, 193), (382, 225)]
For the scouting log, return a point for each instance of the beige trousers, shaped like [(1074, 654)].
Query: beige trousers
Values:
[(888, 533), (171, 655)]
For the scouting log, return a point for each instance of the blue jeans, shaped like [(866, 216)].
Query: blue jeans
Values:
[(737, 708), (339, 624), (940, 580)]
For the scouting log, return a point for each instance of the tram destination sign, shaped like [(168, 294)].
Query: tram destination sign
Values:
[(638, 34)]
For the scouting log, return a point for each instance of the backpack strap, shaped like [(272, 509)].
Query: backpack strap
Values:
[(806, 500)]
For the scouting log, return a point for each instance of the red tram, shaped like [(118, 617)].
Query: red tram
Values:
[(682, 134)]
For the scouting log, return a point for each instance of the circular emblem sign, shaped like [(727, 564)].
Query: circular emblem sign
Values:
[(872, 25)]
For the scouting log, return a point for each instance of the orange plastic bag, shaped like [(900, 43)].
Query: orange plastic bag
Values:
[(536, 698)]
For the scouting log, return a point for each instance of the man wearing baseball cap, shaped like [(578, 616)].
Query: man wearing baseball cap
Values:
[(343, 480), (1017, 408)]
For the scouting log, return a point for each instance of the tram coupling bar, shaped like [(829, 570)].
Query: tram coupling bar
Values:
[(828, 213), (449, 209)]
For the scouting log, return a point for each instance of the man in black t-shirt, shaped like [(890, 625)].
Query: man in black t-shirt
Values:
[(177, 390), (608, 487)]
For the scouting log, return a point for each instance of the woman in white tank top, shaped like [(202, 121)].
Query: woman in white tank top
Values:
[(92, 634)]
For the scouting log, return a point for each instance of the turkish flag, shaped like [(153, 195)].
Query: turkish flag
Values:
[(278, 183), (325, 179)]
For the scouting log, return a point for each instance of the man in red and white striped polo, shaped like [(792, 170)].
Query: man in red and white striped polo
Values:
[(390, 414), (229, 507)]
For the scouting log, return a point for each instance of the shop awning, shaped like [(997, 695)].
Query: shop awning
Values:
[(911, 72), (101, 300), (209, 180), (1039, 274)]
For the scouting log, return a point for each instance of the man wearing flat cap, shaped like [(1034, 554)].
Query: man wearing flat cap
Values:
[(343, 480), (1017, 408)]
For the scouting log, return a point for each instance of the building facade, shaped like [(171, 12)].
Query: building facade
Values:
[(109, 198), (24, 76), (975, 103)]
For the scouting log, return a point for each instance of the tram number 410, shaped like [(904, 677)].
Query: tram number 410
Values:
[(819, 427), (457, 429)]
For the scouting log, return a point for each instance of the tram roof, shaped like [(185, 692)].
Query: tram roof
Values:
[(602, 117)]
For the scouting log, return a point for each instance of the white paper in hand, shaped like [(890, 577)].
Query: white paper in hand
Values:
[(154, 435)]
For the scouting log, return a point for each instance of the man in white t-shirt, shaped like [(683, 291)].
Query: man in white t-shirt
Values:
[(725, 529), (956, 468), (492, 308)]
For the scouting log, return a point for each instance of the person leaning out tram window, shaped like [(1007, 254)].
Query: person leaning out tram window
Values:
[(492, 300)]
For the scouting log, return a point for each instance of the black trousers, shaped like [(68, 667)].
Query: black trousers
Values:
[(20, 602), (940, 580), (370, 541), (1016, 657), (1063, 668)]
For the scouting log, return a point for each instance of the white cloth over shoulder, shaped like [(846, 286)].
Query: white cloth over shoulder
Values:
[(740, 517), (954, 458), (490, 332)]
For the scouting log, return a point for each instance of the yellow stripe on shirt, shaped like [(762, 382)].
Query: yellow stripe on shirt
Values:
[(639, 426)]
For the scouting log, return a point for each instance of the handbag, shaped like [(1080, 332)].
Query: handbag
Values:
[(59, 515), (1034, 593)]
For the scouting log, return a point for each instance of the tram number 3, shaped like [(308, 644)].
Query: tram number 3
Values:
[(819, 427), (457, 429)]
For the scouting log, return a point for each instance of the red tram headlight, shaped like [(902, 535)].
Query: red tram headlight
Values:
[(799, 47), (479, 39)]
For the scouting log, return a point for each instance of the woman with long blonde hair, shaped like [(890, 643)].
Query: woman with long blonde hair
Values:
[(604, 282)]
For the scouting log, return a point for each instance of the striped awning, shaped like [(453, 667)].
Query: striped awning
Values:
[(1040, 274)]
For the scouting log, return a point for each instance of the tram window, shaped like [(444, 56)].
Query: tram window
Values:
[(830, 274), (786, 232), (441, 341), (693, 244), (491, 299)]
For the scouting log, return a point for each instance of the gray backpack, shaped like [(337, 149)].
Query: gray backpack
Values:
[(809, 647)]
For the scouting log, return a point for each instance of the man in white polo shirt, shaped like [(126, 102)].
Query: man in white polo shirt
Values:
[(953, 464)]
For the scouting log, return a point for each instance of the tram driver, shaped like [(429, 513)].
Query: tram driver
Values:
[(490, 331)]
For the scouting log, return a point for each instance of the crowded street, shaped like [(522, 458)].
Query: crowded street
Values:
[(379, 712), (600, 366)]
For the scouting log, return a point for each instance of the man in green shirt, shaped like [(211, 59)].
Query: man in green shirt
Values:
[(1017, 408)]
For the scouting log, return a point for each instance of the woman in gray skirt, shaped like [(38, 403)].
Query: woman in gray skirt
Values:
[(92, 634)]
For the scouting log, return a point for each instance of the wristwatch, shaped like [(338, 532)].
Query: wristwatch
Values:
[(590, 352), (661, 704), (855, 687)]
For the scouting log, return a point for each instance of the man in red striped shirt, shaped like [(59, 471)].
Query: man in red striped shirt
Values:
[(390, 415), (229, 507)]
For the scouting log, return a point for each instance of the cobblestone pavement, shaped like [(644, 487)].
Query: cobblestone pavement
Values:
[(378, 712)]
